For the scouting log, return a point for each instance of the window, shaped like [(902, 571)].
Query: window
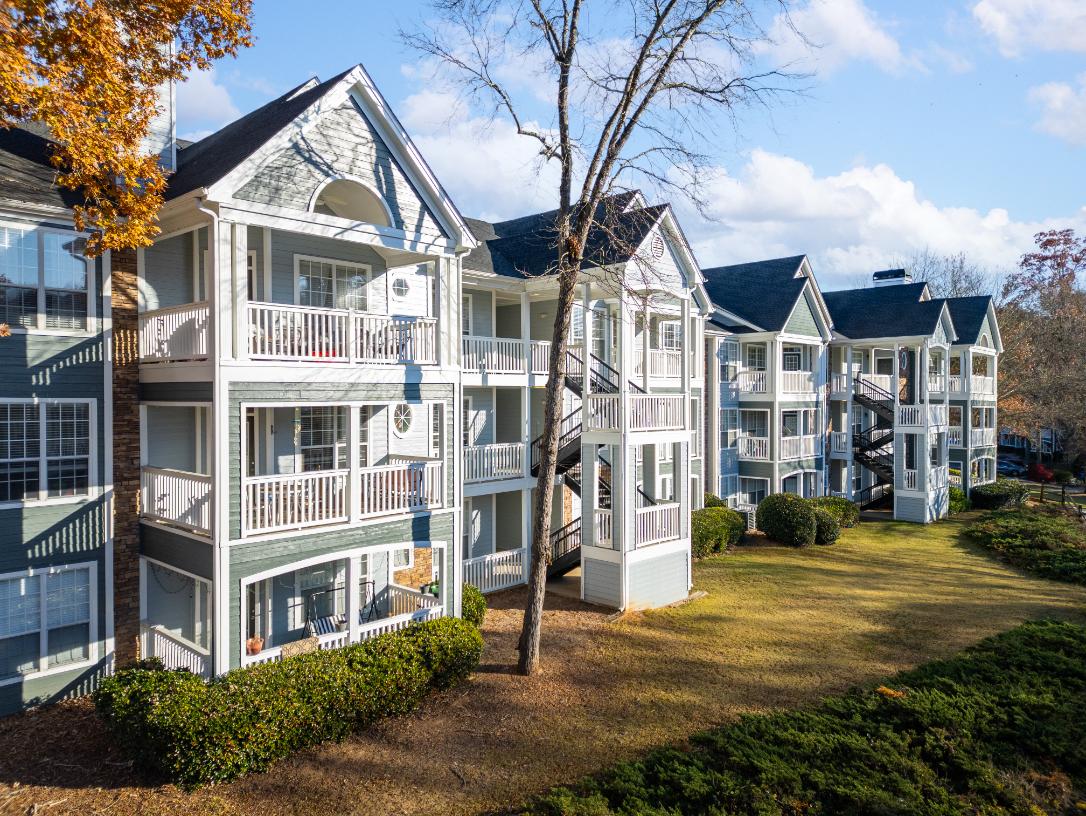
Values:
[(45, 620), (576, 325), (62, 469), (792, 358), (729, 427), (326, 284), (729, 361), (955, 416), (401, 418), (955, 365), (403, 558), (400, 286), (465, 315), (322, 438), (671, 335), (44, 279), (665, 452), (667, 489), (437, 422), (365, 414), (754, 356), (752, 491)]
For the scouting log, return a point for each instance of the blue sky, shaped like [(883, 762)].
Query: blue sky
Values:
[(959, 127)]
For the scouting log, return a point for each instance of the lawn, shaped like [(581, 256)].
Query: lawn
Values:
[(778, 629)]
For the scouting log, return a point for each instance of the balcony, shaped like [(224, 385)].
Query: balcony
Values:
[(884, 382), (982, 437), (300, 500), (647, 412), (839, 386), (484, 463), (288, 333), (662, 364), (504, 355), (839, 444), (982, 385), (754, 448), (753, 382), (175, 334), (936, 383), (797, 382), (938, 477), (909, 479), (957, 384), (176, 652), (801, 447), (955, 437), (176, 498), (920, 416), (496, 571), (657, 523)]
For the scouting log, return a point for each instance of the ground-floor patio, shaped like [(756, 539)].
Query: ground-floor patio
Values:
[(778, 628)]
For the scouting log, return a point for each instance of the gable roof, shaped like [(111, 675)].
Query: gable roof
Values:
[(26, 174), (525, 247), (884, 311), (762, 293), (968, 314), (203, 163)]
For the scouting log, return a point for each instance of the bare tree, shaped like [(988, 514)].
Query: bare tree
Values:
[(635, 99), (952, 275)]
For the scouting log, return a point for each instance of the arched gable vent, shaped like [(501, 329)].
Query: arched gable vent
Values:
[(356, 202)]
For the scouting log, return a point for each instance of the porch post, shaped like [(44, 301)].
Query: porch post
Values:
[(354, 602), (240, 281), (354, 478), (646, 341), (526, 429)]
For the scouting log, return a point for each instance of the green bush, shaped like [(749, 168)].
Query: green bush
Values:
[(714, 530), (959, 502), (1046, 543), (1062, 477), (999, 493), (788, 519), (827, 530), (845, 512), (473, 605), (193, 732), (712, 500), (995, 730)]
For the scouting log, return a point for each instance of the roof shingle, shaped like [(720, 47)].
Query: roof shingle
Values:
[(762, 293)]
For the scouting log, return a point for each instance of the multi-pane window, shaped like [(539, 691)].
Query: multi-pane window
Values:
[(754, 356), (27, 471), (466, 317), (792, 358), (671, 336), (729, 426), (43, 279), (45, 620), (437, 422), (322, 438), (332, 284), (729, 361)]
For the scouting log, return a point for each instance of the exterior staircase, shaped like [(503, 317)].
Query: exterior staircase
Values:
[(873, 447)]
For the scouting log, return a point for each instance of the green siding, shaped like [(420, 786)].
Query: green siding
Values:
[(803, 320)]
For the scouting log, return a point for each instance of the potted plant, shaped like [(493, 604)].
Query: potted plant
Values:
[(254, 645)]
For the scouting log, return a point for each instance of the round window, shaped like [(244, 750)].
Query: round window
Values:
[(400, 287), (657, 246), (401, 418)]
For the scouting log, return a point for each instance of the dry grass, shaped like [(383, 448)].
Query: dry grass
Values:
[(779, 628)]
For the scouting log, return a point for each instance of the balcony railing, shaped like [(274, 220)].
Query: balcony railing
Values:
[(801, 447), (484, 463), (957, 385), (662, 364), (541, 357), (955, 437), (839, 442), (174, 334), (982, 385), (304, 334), (494, 355), (921, 415), (884, 382), (405, 600), (936, 383), (937, 415), (838, 383), (496, 571), (982, 437), (603, 411), (657, 412), (754, 447), (176, 497), (657, 523), (797, 382), (909, 479), (175, 652), (399, 489), (938, 477), (753, 382), (604, 529)]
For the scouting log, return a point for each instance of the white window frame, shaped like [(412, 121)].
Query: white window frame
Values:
[(411, 419), (43, 622), (365, 268), (748, 348), (467, 315), (44, 499), (666, 487), (665, 343), (740, 492), (251, 276), (39, 232), (393, 566)]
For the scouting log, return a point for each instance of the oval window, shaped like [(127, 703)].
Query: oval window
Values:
[(401, 418), (400, 287)]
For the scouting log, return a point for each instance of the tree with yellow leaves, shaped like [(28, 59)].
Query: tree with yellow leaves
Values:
[(89, 70)]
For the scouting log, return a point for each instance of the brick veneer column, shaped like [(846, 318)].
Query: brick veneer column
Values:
[(420, 573), (126, 457)]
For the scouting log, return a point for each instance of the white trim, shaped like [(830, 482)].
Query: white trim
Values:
[(339, 176), (299, 258)]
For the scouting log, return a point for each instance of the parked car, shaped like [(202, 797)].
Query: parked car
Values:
[(1009, 467)]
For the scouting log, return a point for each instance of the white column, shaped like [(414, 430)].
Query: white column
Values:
[(354, 602), (240, 283), (354, 479), (526, 528), (646, 342), (525, 331), (526, 428)]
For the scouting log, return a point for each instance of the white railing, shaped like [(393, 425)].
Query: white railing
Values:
[(937, 415), (500, 570), (910, 414), (504, 460), (883, 381), (657, 412), (839, 442), (173, 334), (662, 364), (335, 640), (956, 383), (280, 331), (294, 500), (797, 382), (399, 489), (955, 437), (936, 383), (175, 652), (404, 600), (176, 497), (657, 523), (604, 529), (754, 447), (801, 447), (603, 411), (981, 437), (954, 479), (494, 355), (753, 382), (938, 477), (909, 479), (541, 357), (838, 383), (982, 385)]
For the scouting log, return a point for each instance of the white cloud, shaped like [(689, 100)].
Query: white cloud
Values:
[(850, 223), (203, 105), (835, 32), (1047, 25), (1063, 110)]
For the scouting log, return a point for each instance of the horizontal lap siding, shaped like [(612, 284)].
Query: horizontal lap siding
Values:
[(342, 143), (658, 581), (168, 273), (508, 519), (285, 245), (602, 582)]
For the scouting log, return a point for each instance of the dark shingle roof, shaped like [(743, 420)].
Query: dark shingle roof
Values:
[(968, 314), (525, 247), (25, 172), (208, 160), (883, 311), (762, 293)]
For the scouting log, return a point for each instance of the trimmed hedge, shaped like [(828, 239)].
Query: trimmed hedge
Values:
[(714, 530), (827, 530), (473, 605), (995, 730), (959, 502), (845, 512), (712, 500), (193, 732), (997, 494), (788, 519), (1046, 543)]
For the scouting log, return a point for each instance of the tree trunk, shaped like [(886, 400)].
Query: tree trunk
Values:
[(548, 461)]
